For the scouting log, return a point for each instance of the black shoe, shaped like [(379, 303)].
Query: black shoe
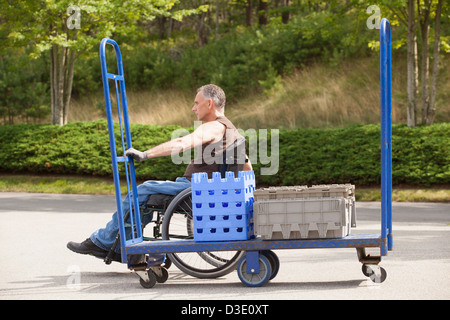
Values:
[(87, 247)]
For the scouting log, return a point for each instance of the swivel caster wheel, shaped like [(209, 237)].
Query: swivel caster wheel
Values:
[(167, 263), (147, 278), (374, 272), (254, 279), (161, 274)]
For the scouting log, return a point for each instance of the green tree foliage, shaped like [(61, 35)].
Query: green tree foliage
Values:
[(67, 28), (23, 88), (243, 45), (418, 25), (244, 59)]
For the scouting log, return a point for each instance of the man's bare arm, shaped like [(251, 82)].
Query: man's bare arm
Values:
[(206, 133)]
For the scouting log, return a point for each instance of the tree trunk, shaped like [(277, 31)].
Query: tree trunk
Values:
[(262, 12), (217, 18), (52, 85), (161, 24), (285, 15), (437, 44), (425, 29), (68, 84), (249, 13), (411, 66), (57, 85), (201, 27), (170, 28), (62, 61)]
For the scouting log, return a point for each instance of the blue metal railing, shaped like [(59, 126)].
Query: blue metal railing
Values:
[(135, 234), (386, 134)]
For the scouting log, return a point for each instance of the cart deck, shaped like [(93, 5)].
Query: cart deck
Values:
[(259, 264), (178, 246)]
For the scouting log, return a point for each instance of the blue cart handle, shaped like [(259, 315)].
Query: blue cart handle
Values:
[(135, 218), (386, 134)]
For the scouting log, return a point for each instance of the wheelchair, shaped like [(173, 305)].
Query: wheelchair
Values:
[(171, 217)]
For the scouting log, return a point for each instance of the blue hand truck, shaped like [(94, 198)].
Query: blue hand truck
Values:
[(259, 263)]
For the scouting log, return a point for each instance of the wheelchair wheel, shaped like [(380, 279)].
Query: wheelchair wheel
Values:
[(178, 224)]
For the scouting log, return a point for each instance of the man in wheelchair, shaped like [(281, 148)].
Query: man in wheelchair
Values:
[(216, 135)]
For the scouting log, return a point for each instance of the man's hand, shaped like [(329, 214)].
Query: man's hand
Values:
[(136, 154)]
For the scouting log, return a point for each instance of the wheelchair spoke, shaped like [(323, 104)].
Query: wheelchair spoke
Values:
[(178, 224)]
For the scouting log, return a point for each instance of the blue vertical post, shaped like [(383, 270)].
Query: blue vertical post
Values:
[(386, 135), (135, 234)]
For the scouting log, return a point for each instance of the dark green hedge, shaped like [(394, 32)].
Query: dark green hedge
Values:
[(78, 148), (352, 154), (307, 156)]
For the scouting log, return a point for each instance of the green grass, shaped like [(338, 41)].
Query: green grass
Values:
[(317, 96), (405, 195), (58, 184), (105, 186)]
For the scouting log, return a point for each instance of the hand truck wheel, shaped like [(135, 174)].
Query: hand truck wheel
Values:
[(167, 263), (147, 278), (254, 279), (377, 276), (161, 274)]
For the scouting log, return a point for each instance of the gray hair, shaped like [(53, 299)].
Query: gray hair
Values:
[(211, 91)]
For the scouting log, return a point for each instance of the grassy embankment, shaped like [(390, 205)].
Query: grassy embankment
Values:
[(318, 96)]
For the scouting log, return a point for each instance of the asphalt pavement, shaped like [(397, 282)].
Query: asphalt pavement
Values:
[(35, 263)]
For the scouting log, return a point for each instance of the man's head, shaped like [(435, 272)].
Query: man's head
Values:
[(209, 102)]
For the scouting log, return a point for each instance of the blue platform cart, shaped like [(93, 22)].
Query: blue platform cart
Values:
[(259, 264)]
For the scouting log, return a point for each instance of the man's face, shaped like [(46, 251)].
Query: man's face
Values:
[(201, 106)]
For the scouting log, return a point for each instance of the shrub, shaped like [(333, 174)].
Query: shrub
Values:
[(307, 156)]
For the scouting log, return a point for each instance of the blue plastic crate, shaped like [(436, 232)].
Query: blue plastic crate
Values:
[(223, 208)]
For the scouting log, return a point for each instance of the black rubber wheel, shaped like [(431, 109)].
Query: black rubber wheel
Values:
[(167, 263), (151, 280), (376, 277), (163, 278), (365, 271), (274, 262), (254, 279)]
